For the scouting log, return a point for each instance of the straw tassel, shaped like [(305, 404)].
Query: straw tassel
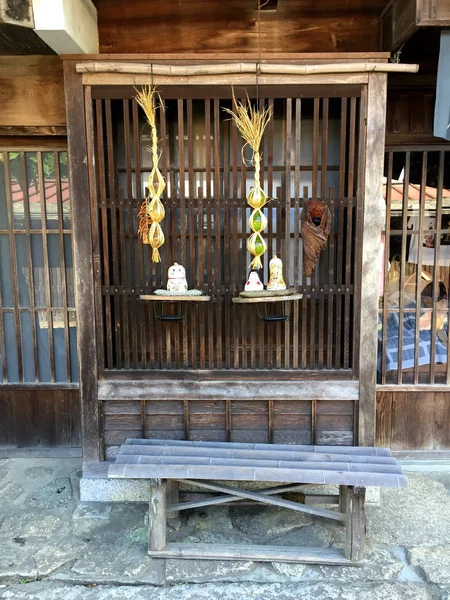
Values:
[(251, 124), (152, 211)]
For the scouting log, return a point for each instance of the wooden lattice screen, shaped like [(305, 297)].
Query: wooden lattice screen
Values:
[(312, 149)]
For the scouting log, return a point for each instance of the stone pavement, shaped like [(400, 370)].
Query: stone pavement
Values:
[(53, 547)]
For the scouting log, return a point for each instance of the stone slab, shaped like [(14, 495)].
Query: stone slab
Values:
[(415, 516), (233, 591), (433, 563)]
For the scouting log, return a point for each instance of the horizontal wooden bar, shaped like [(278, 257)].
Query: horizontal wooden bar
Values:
[(355, 450), (266, 57), (227, 390), (322, 556), (253, 462), (267, 499), (210, 501), (241, 473), (169, 450), (245, 80)]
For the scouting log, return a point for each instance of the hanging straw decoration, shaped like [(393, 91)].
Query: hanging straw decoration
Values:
[(251, 124), (152, 210)]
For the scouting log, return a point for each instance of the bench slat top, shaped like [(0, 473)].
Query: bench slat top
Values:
[(174, 459)]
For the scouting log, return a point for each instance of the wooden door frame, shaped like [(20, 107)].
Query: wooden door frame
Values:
[(371, 174)]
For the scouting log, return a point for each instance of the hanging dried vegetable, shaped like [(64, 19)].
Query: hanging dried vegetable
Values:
[(315, 229), (152, 210), (251, 124)]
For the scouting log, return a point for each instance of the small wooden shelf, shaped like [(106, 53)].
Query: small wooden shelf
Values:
[(266, 317), (174, 318), (161, 298), (265, 299)]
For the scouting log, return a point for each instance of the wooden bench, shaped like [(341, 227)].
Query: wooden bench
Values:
[(166, 463)]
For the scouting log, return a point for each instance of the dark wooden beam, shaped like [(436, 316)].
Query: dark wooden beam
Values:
[(402, 18), (15, 40), (211, 26), (84, 279)]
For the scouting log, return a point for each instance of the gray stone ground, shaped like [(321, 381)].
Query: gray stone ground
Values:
[(52, 547)]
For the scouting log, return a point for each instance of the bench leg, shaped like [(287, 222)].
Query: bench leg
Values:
[(352, 502), (157, 515), (173, 497)]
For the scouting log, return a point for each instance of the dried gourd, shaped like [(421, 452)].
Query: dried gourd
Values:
[(152, 210), (251, 124)]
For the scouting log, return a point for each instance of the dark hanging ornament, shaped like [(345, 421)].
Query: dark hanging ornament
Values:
[(315, 229)]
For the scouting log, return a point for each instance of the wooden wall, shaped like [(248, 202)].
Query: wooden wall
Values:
[(408, 420), (32, 95), (39, 417), (232, 26)]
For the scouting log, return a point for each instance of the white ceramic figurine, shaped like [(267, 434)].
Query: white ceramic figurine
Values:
[(177, 278), (253, 283), (276, 280)]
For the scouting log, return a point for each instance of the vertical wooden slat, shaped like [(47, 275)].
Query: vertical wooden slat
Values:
[(143, 420), (84, 281), (270, 233), (13, 259), (27, 225), (182, 180), (142, 308), (165, 252), (123, 279), (271, 421), (114, 238), (437, 249), (287, 232), (296, 324), (387, 241), (313, 422), (323, 196), (101, 183), (227, 207), (403, 264), (349, 230), (48, 296), (305, 301), (131, 297), (209, 255), (192, 254), (217, 238), (237, 278), (4, 159), (340, 234), (186, 420), (201, 278), (423, 184), (62, 256), (228, 419), (372, 155), (331, 288), (315, 147), (358, 236)]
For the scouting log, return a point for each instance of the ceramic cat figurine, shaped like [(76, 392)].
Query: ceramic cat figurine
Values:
[(176, 281), (276, 281), (253, 283)]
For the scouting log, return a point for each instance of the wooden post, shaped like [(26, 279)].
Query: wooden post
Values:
[(173, 497), (157, 515), (354, 500), (373, 221), (343, 498), (84, 270)]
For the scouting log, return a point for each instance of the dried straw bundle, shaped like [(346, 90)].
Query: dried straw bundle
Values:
[(152, 210), (251, 124)]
